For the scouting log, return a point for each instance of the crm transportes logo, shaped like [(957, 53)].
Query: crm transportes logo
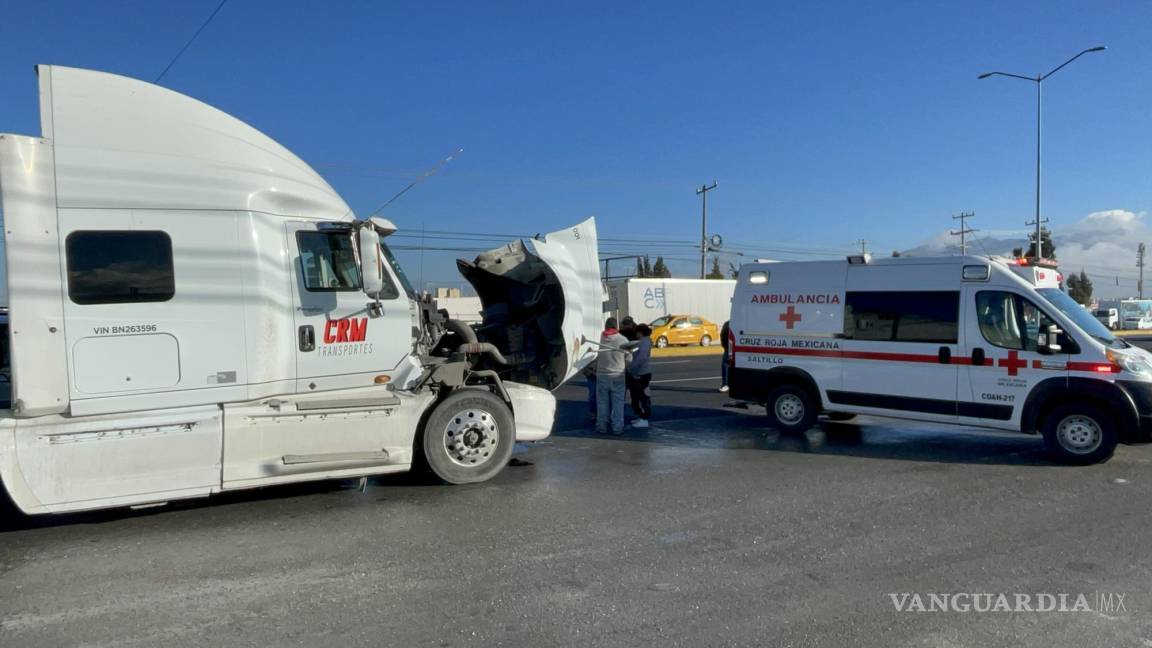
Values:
[(1109, 603)]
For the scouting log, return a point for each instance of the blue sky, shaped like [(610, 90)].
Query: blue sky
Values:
[(822, 122)]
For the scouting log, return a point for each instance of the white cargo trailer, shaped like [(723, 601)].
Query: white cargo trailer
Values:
[(193, 309), (648, 299)]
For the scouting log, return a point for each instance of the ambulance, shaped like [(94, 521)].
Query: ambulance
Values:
[(986, 342), (191, 309)]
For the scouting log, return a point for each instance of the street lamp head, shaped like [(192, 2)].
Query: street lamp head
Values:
[(1101, 48), (985, 75)]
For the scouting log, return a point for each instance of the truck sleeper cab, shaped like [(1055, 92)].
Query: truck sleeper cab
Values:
[(192, 309), (979, 341)]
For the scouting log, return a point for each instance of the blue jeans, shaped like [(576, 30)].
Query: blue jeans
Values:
[(591, 382), (610, 402), (724, 368)]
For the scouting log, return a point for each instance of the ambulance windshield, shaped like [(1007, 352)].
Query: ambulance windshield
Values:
[(1080, 316)]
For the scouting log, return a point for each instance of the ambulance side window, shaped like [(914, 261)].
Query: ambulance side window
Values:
[(908, 316), (1010, 321)]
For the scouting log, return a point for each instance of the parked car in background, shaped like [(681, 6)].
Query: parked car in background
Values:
[(1109, 317), (683, 329), (1137, 322)]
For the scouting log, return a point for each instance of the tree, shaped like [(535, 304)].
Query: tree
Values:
[(716, 272), (1049, 248), (660, 270), (1080, 288), (733, 270), (895, 253), (648, 267), (640, 268)]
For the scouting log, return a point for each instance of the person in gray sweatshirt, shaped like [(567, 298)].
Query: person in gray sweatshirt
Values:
[(639, 377), (611, 363)]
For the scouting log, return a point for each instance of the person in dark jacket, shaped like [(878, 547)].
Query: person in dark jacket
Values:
[(725, 359), (640, 376)]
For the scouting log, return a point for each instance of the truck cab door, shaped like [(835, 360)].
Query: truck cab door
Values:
[(340, 341)]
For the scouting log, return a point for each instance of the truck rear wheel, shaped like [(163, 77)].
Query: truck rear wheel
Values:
[(1079, 433), (791, 409), (469, 437)]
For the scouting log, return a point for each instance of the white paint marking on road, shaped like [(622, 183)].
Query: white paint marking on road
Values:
[(656, 382)]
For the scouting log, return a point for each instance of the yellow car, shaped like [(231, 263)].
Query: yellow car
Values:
[(683, 329)]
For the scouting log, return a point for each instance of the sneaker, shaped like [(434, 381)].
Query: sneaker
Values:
[(618, 432), (601, 431), (723, 388), (640, 423)]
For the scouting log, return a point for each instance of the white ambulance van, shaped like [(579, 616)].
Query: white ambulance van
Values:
[(192, 309), (978, 341)]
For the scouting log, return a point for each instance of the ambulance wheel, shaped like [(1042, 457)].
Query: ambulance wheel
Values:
[(1079, 433), (791, 409), (706, 340), (468, 438), (661, 342)]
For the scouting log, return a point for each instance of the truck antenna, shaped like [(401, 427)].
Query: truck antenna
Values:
[(427, 174)]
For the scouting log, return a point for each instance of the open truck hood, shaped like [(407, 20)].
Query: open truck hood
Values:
[(542, 298)]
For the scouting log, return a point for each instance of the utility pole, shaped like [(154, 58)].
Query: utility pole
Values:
[(703, 193), (1140, 264), (1039, 222), (863, 246), (963, 230)]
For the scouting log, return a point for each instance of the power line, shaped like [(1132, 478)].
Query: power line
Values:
[(963, 230), (190, 40)]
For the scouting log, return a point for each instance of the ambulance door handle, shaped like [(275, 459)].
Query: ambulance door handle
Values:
[(978, 357), (944, 355), (307, 338)]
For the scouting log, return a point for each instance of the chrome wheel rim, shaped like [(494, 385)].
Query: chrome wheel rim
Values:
[(471, 437), (661, 343), (705, 341), (1079, 434), (789, 409)]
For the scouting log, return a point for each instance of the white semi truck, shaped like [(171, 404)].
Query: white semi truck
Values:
[(192, 309)]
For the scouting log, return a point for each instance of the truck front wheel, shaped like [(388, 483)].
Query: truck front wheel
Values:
[(791, 409), (1079, 433), (468, 438)]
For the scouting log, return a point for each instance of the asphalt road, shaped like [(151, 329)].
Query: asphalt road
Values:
[(707, 530)]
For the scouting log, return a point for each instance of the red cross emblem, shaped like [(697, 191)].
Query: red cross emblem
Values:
[(1012, 362), (790, 317)]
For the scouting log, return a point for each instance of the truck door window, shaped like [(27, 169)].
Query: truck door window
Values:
[(906, 316), (328, 261), (119, 267), (1009, 320)]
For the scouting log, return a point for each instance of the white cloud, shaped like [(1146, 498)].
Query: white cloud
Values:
[(1102, 243)]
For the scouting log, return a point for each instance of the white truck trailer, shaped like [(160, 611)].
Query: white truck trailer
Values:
[(648, 299), (193, 309)]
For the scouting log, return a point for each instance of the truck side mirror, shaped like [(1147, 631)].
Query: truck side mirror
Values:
[(371, 265), (1048, 341)]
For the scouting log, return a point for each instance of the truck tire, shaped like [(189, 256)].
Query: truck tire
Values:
[(1079, 433), (791, 409), (468, 438)]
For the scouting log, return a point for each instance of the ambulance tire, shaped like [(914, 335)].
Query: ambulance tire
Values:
[(1079, 433), (468, 437), (791, 409)]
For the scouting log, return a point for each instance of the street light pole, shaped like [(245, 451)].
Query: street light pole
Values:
[(1039, 81), (703, 193)]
